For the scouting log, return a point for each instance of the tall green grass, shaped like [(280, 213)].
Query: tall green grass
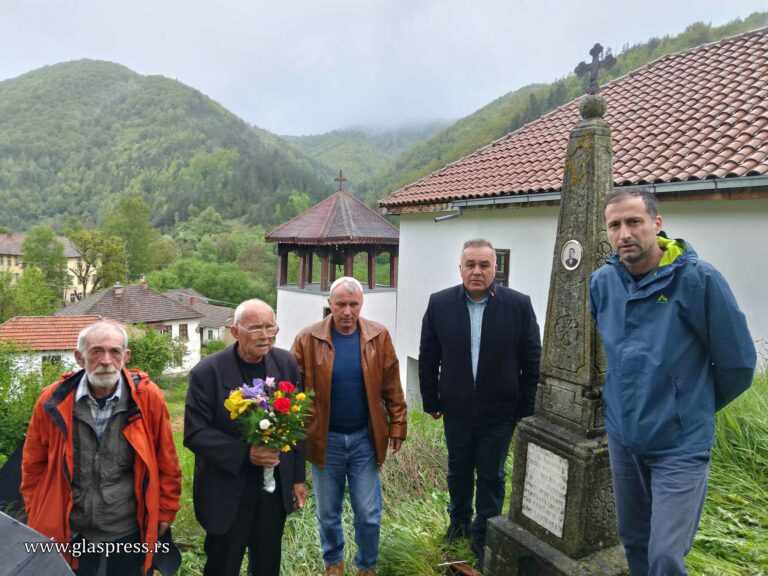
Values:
[(733, 533), (732, 537)]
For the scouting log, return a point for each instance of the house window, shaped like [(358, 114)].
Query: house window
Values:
[(16, 259), (183, 333), (210, 334), (53, 362), (502, 267)]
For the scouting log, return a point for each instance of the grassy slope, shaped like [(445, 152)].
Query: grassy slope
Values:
[(732, 537)]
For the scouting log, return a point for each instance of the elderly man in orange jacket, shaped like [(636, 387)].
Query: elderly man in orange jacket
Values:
[(99, 469), (359, 411)]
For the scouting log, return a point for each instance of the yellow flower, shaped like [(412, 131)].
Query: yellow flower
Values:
[(285, 448), (278, 394), (301, 396), (236, 404), (295, 408)]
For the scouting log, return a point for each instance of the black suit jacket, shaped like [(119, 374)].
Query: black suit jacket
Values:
[(221, 457), (508, 365)]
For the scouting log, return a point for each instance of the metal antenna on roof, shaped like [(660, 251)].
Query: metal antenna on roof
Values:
[(597, 63), (340, 180)]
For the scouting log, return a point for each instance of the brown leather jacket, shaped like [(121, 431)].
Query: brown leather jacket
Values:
[(314, 353)]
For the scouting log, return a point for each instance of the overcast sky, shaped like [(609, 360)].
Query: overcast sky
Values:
[(310, 66)]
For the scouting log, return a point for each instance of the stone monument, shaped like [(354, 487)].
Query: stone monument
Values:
[(561, 519)]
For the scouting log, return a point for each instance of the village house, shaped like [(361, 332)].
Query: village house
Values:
[(12, 260), (44, 340), (216, 320), (692, 126), (140, 304)]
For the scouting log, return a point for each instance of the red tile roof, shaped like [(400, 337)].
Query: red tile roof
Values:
[(11, 244), (694, 115), (339, 219), (131, 304), (43, 333)]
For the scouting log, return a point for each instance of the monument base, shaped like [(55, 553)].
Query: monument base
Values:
[(511, 550)]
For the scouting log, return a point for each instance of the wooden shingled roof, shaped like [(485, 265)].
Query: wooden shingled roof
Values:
[(131, 304), (339, 219), (695, 115)]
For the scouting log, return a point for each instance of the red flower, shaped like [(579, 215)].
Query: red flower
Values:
[(282, 405), (287, 387)]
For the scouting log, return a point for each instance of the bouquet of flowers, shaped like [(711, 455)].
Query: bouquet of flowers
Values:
[(270, 415)]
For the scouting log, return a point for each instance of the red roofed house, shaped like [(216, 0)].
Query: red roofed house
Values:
[(328, 236), (693, 126), (45, 339)]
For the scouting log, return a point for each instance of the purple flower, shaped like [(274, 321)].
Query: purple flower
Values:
[(253, 391)]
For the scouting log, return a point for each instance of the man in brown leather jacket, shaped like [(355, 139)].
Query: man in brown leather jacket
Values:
[(359, 409)]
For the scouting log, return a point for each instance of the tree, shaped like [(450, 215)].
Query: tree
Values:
[(130, 221), (153, 352), (42, 250), (32, 296), (6, 296), (103, 259)]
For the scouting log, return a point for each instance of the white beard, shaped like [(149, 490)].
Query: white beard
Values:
[(103, 380)]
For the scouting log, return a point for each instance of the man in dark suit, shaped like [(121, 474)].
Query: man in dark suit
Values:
[(478, 370), (231, 502)]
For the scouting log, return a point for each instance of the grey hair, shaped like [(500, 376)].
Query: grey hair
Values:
[(350, 284), (240, 310), (620, 194), (82, 338), (478, 243)]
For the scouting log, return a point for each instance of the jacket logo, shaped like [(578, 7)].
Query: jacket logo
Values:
[(662, 299)]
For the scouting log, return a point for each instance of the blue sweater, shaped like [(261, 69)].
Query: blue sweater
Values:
[(349, 403)]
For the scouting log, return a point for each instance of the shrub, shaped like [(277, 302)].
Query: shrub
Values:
[(153, 352), (211, 347)]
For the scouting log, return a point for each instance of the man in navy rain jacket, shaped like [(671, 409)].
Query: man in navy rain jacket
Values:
[(678, 350)]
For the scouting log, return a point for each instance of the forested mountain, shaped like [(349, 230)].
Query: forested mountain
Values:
[(78, 136), (521, 106), (361, 152)]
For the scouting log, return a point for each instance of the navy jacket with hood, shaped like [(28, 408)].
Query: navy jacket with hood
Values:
[(678, 349)]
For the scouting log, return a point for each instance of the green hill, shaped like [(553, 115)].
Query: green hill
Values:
[(361, 152), (76, 136), (515, 109)]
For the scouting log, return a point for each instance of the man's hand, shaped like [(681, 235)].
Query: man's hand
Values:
[(436, 415), (162, 528), (395, 444), (263, 456), (299, 495)]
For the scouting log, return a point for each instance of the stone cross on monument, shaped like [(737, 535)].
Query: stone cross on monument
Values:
[(593, 68), (561, 515)]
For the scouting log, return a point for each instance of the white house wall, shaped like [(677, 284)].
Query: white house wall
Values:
[(192, 356), (729, 234)]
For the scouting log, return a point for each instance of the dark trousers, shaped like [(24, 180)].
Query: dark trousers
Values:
[(481, 448), (117, 563), (258, 526)]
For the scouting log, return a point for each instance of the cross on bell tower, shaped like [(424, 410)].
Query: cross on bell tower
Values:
[(340, 180)]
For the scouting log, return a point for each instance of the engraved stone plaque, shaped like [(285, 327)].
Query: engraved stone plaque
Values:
[(544, 491)]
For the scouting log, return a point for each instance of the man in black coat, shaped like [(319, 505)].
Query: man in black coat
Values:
[(231, 502), (478, 370)]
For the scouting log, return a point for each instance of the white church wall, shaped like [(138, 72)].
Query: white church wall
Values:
[(728, 234), (297, 308)]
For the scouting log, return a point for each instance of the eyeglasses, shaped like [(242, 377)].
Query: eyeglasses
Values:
[(267, 330)]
